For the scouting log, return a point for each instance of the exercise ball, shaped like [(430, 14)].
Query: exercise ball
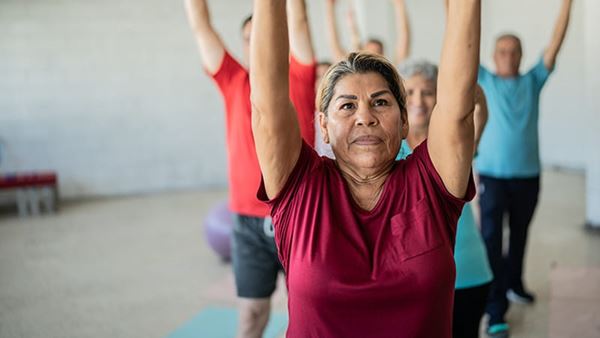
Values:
[(218, 226)]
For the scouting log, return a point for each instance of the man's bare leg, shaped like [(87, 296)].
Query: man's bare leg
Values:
[(254, 316)]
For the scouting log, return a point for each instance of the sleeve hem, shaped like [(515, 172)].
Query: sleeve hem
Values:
[(262, 193), (469, 193), (220, 68)]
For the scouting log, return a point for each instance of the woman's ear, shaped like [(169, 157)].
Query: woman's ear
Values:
[(404, 127), (323, 126)]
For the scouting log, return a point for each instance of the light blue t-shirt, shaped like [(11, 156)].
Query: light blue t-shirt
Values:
[(509, 146), (404, 151), (470, 256)]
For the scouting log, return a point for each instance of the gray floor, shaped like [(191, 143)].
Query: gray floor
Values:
[(139, 267)]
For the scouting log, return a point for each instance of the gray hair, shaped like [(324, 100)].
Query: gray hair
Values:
[(421, 67)]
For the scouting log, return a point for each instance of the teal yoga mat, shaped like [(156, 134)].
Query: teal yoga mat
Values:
[(213, 322)]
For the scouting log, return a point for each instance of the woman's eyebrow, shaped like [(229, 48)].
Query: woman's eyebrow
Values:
[(379, 93), (350, 97)]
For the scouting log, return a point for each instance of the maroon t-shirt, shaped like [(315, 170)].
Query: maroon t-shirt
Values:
[(388, 272)]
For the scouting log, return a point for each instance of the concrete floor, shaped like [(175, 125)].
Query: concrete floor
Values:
[(139, 267)]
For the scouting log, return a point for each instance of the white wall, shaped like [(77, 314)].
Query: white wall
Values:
[(111, 93)]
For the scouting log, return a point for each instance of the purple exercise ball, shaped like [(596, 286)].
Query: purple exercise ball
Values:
[(218, 226)]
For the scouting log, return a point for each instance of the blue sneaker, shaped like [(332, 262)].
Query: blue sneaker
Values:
[(498, 331)]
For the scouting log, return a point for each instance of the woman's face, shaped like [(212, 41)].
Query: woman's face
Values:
[(420, 100), (363, 124)]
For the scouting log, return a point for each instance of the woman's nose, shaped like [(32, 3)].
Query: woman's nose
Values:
[(365, 116)]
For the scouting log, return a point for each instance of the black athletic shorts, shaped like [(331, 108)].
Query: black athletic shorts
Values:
[(254, 256)]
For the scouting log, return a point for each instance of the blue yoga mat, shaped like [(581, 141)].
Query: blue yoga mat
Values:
[(222, 323)]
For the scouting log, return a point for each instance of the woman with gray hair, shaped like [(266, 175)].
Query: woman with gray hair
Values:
[(366, 241), (473, 272)]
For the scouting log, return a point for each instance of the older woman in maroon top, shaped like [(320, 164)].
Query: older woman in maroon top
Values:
[(366, 241)]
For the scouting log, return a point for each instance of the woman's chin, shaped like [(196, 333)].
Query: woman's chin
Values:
[(370, 160)]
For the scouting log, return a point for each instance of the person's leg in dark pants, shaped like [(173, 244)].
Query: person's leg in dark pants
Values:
[(255, 267), (469, 305), (493, 200), (523, 201)]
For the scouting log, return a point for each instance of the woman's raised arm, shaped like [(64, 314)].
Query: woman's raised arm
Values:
[(274, 122), (451, 129)]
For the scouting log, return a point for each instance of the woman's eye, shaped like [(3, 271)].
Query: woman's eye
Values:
[(381, 102), (347, 106)]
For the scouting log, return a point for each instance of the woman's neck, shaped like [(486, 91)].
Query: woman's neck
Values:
[(366, 188)]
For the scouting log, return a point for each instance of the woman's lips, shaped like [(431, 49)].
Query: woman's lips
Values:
[(367, 140)]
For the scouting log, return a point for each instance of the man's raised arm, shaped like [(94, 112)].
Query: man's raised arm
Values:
[(300, 39), (210, 44), (558, 36), (402, 31), (337, 51)]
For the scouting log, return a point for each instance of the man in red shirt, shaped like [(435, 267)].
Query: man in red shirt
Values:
[(255, 260)]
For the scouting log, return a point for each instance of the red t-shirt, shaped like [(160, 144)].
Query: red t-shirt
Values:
[(388, 272), (244, 173)]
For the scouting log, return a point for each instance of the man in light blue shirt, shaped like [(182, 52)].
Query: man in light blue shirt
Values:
[(509, 164)]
